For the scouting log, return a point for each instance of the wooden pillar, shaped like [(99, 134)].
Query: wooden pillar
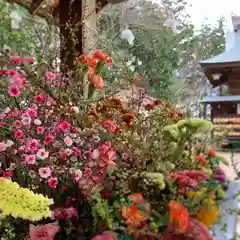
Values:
[(70, 18)]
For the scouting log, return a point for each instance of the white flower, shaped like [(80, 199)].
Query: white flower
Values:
[(42, 154), (9, 143), (95, 154), (132, 68), (74, 109), (77, 175), (26, 120), (37, 122), (6, 49), (172, 23), (7, 110), (15, 19), (127, 34)]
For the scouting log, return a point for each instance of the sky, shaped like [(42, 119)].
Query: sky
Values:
[(213, 10)]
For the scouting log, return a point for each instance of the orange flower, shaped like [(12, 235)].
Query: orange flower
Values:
[(211, 152), (179, 215), (99, 55), (133, 215), (97, 81), (137, 211)]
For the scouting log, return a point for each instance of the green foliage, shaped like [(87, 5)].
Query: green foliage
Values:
[(101, 211)]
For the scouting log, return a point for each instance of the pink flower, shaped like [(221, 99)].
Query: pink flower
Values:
[(51, 76), (107, 235), (44, 172), (49, 139), (63, 154), (68, 141), (76, 152), (13, 90), (34, 106), (30, 159), (33, 145), (18, 124), (30, 60), (52, 182), (16, 60), (42, 154), (65, 213), (2, 146), (31, 113), (110, 126), (88, 171), (40, 130), (43, 232), (64, 126), (18, 134), (22, 149)]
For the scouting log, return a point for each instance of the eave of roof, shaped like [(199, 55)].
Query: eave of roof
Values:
[(216, 99)]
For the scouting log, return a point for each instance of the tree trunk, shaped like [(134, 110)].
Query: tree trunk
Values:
[(89, 35), (70, 31)]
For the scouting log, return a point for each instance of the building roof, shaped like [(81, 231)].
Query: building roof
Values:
[(215, 99), (227, 57), (230, 56)]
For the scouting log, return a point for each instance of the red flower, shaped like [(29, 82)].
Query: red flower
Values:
[(30, 60), (107, 195), (201, 159), (18, 134), (49, 139), (52, 182), (16, 60), (39, 98), (7, 174)]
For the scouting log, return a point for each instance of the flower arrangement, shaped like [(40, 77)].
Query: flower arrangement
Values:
[(110, 171)]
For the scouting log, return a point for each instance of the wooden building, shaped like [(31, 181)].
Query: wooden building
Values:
[(76, 20), (223, 71)]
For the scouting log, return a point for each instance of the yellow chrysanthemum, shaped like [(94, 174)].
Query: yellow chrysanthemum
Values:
[(23, 203), (207, 214)]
